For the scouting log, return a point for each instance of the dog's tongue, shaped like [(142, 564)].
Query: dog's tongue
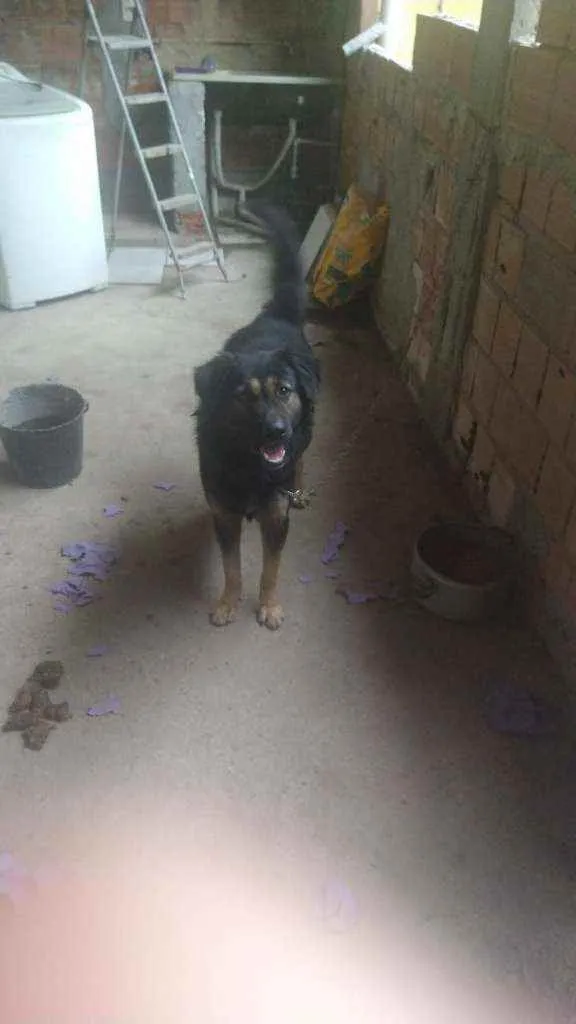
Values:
[(274, 453)]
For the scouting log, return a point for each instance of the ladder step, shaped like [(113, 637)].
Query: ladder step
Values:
[(122, 42), (137, 38), (197, 255), (135, 99), (175, 202), (166, 149)]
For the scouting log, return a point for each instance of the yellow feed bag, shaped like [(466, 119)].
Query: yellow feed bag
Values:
[(349, 260)]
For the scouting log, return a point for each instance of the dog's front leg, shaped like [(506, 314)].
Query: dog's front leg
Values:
[(274, 529), (228, 528)]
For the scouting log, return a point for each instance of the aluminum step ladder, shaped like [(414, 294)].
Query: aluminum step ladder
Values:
[(139, 40)]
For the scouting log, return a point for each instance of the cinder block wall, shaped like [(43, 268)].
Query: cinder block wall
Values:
[(513, 425)]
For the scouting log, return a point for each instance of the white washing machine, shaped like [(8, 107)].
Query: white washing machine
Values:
[(51, 228)]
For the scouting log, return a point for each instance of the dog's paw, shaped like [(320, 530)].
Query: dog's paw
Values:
[(270, 615), (224, 612)]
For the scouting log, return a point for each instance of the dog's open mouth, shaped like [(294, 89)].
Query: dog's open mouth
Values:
[(273, 453)]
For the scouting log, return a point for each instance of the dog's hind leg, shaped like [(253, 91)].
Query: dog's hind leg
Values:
[(228, 528), (274, 529)]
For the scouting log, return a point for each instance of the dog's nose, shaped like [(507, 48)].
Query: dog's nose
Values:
[(275, 428)]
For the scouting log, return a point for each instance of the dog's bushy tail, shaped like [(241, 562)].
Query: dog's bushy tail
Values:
[(288, 300)]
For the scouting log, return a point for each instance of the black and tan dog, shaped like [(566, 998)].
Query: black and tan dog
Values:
[(254, 423)]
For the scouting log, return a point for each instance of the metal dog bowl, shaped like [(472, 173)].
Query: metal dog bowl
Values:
[(463, 571)]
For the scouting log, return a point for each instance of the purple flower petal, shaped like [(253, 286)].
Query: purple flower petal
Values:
[(518, 712), (97, 571), (65, 588), (357, 596), (305, 578), (111, 511), (161, 485), (97, 652), (333, 543), (108, 706), (73, 551), (62, 609), (332, 575)]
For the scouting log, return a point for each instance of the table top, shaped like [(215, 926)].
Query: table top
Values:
[(252, 78)]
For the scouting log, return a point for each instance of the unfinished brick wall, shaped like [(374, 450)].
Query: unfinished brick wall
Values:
[(405, 133), (516, 422), (43, 38)]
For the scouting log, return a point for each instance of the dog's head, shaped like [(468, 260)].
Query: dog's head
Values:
[(256, 401)]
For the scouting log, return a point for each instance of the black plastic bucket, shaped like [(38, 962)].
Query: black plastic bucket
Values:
[(42, 429)]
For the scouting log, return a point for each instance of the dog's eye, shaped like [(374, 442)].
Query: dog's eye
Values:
[(283, 390), (240, 391)]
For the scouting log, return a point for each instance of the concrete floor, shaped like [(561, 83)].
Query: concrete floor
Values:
[(350, 748)]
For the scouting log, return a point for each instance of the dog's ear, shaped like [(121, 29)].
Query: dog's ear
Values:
[(307, 370), (211, 376)]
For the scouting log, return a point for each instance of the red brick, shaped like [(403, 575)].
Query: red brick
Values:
[(556, 570), (485, 386), (158, 12), (511, 183), (546, 293), (404, 97), (437, 125), (181, 12), (491, 243), (537, 195), (531, 85), (433, 49), (565, 343), (501, 495), (558, 401), (421, 353), (482, 458), (555, 23), (506, 338), (463, 136), (562, 123), (61, 43), (531, 360), (509, 257), (570, 537), (419, 109), (518, 435), (561, 220), (390, 82), (463, 48), (556, 492), (570, 598), (463, 428), (441, 252), (418, 235), (486, 314), (445, 195), (570, 449), (468, 368), (572, 39)]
